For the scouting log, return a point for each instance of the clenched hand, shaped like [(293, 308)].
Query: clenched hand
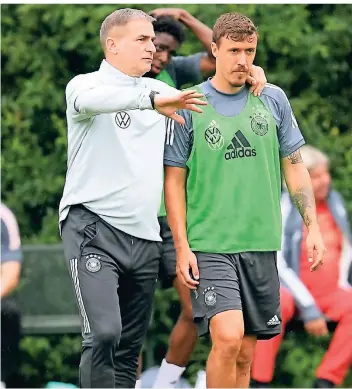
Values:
[(187, 268)]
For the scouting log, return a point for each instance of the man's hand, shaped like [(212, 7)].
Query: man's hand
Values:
[(174, 12), (187, 268), (316, 327), (168, 106), (315, 247), (257, 79)]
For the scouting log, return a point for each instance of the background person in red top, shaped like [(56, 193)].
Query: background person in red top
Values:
[(314, 296)]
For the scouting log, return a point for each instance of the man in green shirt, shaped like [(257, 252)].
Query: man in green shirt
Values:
[(223, 187), (176, 71)]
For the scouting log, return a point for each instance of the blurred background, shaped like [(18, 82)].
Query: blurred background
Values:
[(305, 49)]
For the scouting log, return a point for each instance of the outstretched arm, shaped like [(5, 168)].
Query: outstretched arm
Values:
[(86, 101)]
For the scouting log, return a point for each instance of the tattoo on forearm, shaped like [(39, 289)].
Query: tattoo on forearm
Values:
[(295, 157), (304, 200)]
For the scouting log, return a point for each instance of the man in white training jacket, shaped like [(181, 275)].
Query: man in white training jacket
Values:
[(108, 213)]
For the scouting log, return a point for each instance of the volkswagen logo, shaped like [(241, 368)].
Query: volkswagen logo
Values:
[(123, 119)]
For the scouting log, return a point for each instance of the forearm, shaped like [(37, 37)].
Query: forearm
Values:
[(7, 286), (200, 30), (10, 275), (175, 202), (300, 188), (110, 99)]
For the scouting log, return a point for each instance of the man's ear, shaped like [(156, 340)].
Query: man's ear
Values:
[(214, 49), (112, 45)]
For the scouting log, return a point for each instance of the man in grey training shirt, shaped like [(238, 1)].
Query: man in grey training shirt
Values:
[(177, 71), (222, 190), (108, 212)]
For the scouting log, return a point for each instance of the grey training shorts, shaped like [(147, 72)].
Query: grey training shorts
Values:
[(244, 281)]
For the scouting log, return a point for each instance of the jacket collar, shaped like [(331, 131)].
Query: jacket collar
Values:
[(111, 73)]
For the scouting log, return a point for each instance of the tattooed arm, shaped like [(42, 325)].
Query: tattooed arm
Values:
[(299, 185)]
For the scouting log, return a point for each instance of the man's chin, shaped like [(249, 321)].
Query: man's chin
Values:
[(238, 84), (146, 71), (154, 70)]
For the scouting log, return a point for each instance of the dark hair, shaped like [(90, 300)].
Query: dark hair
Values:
[(233, 26), (170, 25)]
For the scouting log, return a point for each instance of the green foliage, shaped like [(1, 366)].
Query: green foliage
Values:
[(303, 48), (51, 358), (57, 358)]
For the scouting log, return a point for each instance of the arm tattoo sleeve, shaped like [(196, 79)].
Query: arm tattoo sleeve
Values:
[(304, 201), (295, 157)]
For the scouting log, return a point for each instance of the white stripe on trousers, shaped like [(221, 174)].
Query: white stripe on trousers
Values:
[(74, 275)]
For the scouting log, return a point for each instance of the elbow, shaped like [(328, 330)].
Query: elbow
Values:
[(81, 105), (294, 169), (75, 106), (171, 187), (8, 288), (296, 175), (14, 283), (174, 185), (174, 179)]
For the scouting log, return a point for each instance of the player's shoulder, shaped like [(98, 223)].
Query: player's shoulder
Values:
[(275, 93), (7, 216), (158, 86), (198, 87), (201, 86), (153, 83), (87, 79), (5, 210)]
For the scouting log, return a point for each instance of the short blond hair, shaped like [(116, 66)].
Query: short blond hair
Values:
[(121, 17), (312, 157)]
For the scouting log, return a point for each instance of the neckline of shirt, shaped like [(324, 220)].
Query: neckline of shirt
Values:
[(109, 70), (208, 88)]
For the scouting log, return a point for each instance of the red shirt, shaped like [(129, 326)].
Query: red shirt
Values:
[(324, 280)]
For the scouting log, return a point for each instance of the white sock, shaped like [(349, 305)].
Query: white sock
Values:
[(201, 380), (138, 384), (168, 375)]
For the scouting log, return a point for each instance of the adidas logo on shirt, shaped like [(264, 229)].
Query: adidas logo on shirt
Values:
[(240, 147), (274, 321)]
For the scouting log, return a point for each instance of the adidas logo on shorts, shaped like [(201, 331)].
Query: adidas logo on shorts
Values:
[(274, 321)]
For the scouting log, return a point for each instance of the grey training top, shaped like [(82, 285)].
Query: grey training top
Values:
[(184, 70), (115, 150), (179, 143)]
